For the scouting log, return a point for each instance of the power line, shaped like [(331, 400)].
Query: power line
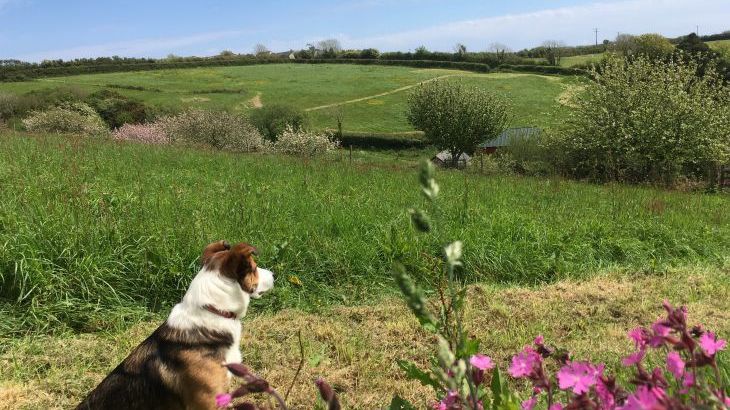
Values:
[(595, 30)]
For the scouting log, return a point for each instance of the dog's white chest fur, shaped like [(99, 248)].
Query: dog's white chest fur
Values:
[(210, 288)]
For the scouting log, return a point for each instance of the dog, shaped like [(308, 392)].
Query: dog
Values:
[(180, 365)]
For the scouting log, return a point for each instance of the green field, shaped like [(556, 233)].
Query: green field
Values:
[(534, 97), (114, 230)]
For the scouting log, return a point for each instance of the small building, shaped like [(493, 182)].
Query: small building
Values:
[(506, 137), (444, 159)]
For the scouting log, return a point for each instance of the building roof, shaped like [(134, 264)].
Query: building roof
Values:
[(445, 156), (509, 134)]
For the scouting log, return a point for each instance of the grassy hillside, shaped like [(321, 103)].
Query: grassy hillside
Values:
[(95, 234), (310, 86)]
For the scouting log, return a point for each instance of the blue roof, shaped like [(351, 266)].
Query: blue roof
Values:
[(509, 134)]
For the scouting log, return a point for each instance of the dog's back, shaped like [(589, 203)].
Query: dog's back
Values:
[(150, 377)]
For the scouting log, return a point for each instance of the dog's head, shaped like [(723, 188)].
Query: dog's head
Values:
[(237, 263)]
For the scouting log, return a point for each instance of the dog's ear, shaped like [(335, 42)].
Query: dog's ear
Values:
[(239, 265), (212, 249)]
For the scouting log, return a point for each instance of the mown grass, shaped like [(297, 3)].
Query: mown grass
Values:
[(355, 348), (306, 86), (96, 235)]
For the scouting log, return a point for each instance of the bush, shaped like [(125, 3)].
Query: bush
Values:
[(303, 143), (116, 109), (455, 116), (272, 120), (643, 120), (401, 140), (74, 118), (145, 133), (221, 130)]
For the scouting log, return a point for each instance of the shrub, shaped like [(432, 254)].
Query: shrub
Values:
[(456, 117), (75, 118), (116, 109), (643, 120), (303, 143), (145, 133), (272, 120), (221, 130)]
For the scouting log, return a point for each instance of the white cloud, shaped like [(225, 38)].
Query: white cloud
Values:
[(141, 47), (574, 25)]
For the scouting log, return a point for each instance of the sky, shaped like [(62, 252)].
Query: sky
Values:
[(34, 30)]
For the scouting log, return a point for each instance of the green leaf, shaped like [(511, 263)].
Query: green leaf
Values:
[(468, 348), (399, 403), (496, 388), (414, 373)]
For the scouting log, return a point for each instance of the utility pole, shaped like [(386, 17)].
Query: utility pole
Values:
[(697, 30), (595, 30)]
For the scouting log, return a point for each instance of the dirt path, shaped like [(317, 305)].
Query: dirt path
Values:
[(255, 102), (370, 97)]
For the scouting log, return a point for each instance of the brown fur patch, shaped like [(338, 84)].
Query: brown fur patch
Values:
[(237, 264)]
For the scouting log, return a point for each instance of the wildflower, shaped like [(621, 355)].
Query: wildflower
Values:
[(634, 358), (222, 400), (644, 398), (640, 336), (530, 403), (539, 340), (710, 344), (606, 391), (481, 362), (675, 364), (451, 401), (556, 406), (525, 363), (687, 381), (661, 332), (578, 375)]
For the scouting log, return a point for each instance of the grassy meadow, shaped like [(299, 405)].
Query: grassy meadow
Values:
[(95, 235), (307, 86)]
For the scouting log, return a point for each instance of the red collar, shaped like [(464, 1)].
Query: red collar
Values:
[(222, 313)]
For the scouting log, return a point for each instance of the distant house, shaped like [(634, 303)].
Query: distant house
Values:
[(444, 159), (505, 138)]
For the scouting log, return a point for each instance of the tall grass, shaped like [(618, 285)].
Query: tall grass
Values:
[(94, 234)]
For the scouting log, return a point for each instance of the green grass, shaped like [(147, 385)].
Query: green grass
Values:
[(572, 61), (95, 234), (307, 86)]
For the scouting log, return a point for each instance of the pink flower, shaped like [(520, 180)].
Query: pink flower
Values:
[(634, 358), (710, 344), (661, 332), (539, 340), (645, 398), (605, 394), (675, 364), (687, 382), (530, 403), (481, 362), (639, 336), (451, 401), (222, 400), (578, 375), (525, 363), (556, 406)]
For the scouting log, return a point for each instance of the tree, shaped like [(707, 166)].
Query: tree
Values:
[(624, 44), (692, 44), (455, 116), (261, 50), (553, 51), (226, 54), (370, 53), (653, 46), (421, 52), (499, 50), (460, 50), (330, 45), (649, 120)]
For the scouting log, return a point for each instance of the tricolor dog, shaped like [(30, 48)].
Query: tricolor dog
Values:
[(179, 365)]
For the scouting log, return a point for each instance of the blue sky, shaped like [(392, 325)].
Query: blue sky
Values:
[(47, 29)]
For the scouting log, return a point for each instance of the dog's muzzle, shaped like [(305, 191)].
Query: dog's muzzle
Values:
[(266, 282)]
